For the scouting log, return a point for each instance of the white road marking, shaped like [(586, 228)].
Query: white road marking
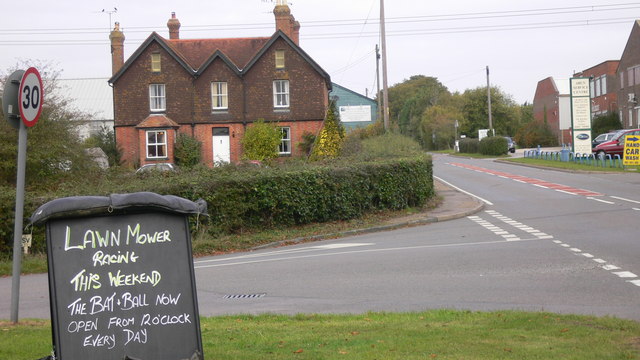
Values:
[(587, 255), (624, 199), (634, 282), (602, 201), (626, 274), (610, 267), (340, 245), (463, 191)]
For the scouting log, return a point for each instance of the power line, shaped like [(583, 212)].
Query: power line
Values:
[(347, 22)]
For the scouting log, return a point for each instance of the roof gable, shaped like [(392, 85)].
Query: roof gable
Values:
[(280, 35), (154, 37)]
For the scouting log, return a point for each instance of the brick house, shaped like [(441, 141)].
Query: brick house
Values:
[(604, 94), (551, 102), (628, 82), (213, 89)]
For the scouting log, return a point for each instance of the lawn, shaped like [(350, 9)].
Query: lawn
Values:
[(438, 334)]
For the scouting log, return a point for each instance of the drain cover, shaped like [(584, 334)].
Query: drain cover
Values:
[(244, 296)]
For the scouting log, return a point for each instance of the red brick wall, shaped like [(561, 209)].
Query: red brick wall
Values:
[(188, 100)]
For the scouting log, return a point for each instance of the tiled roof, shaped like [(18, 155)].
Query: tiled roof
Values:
[(197, 51), (158, 121)]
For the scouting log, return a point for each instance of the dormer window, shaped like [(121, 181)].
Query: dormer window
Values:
[(156, 65), (279, 59)]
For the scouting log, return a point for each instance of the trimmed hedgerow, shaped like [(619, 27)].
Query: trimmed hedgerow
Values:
[(246, 198), (493, 145), (469, 146)]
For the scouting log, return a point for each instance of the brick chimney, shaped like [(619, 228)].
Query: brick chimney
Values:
[(117, 48), (174, 27), (286, 22)]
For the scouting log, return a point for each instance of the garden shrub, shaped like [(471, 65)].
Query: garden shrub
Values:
[(493, 146), (469, 146)]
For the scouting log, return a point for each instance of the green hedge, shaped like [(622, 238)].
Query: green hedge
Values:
[(248, 198), (494, 145), (469, 146)]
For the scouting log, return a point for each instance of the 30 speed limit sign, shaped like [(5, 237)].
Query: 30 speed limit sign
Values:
[(30, 101)]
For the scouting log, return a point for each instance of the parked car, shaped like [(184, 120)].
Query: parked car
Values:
[(511, 144), (156, 167), (603, 138), (615, 146)]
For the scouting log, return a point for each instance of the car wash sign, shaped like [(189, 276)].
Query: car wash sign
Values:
[(631, 154), (581, 114)]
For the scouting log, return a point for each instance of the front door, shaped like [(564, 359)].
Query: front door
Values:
[(221, 146)]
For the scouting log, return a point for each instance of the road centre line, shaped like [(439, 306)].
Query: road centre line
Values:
[(624, 199), (600, 200), (296, 257)]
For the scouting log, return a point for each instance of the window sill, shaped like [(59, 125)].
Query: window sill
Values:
[(282, 110)]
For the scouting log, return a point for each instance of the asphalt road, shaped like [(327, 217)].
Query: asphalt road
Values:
[(545, 241)]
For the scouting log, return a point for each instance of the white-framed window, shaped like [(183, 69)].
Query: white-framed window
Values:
[(219, 96), (621, 75), (285, 143), (157, 97), (156, 144), (279, 59), (156, 65), (636, 74), (281, 93), (603, 85), (592, 87), (597, 93)]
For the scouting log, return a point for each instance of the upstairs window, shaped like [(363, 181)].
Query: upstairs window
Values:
[(156, 144), (279, 59), (281, 94), (157, 98), (155, 63), (285, 143), (219, 96)]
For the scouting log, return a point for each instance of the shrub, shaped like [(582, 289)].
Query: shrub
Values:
[(469, 146), (187, 151), (331, 136), (493, 145), (260, 142)]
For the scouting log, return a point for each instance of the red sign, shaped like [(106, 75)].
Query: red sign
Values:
[(31, 96)]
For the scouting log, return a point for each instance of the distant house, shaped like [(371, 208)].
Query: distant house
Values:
[(213, 90), (355, 110), (93, 97), (551, 103), (628, 84), (604, 91)]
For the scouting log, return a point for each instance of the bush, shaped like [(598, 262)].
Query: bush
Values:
[(241, 198), (494, 146), (187, 151), (260, 142), (469, 146)]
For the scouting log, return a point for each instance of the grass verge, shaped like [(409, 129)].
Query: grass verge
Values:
[(571, 166), (438, 334)]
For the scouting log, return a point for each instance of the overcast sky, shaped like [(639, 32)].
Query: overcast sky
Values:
[(522, 42)]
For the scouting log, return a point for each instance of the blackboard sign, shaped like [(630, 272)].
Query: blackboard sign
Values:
[(122, 286)]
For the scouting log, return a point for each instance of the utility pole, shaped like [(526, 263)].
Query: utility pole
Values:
[(489, 103), (385, 94), (378, 94)]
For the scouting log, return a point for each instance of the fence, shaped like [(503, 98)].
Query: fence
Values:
[(604, 161)]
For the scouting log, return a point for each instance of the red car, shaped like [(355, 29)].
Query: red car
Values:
[(614, 146)]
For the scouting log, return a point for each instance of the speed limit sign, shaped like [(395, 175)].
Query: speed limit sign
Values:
[(30, 101)]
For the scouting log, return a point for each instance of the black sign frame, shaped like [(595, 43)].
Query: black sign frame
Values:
[(123, 286)]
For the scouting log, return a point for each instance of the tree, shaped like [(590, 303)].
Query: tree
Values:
[(437, 127), (106, 140), (505, 112), (187, 151), (54, 149), (331, 137), (605, 123), (260, 141), (409, 99)]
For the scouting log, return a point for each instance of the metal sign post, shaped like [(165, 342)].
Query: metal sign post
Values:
[(22, 99)]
